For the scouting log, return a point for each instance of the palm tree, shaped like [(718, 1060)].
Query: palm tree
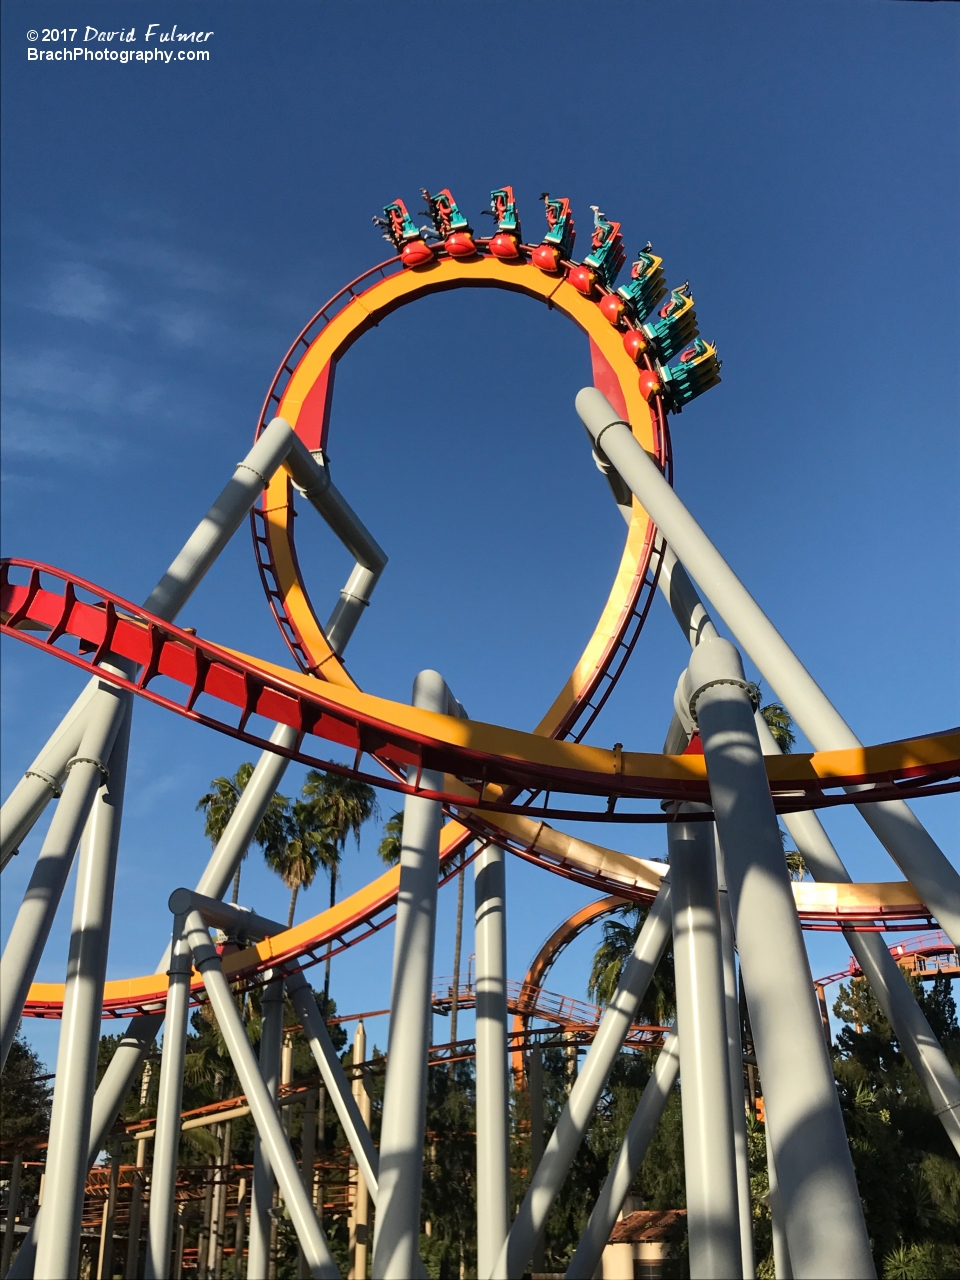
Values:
[(619, 939), (219, 804), (342, 805), (780, 723), (390, 846), (307, 847)]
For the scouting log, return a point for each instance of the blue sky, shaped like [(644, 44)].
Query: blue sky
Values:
[(169, 229)]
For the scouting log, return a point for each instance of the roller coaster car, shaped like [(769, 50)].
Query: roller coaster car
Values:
[(606, 255), (506, 243), (676, 326), (697, 370), (646, 286), (398, 228), (450, 224), (558, 243)]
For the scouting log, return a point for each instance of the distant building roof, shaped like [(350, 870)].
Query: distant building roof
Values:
[(650, 1225)]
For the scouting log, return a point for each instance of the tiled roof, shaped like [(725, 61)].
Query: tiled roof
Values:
[(650, 1225)]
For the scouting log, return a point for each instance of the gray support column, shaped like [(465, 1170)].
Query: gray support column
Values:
[(42, 782), (13, 1210), (59, 1244), (397, 1235), (894, 824), (493, 1097), (782, 1267), (627, 1164), (325, 1056), (166, 1143), (738, 1110), (221, 522), (824, 863), (535, 1087), (824, 1219), (140, 1033), (31, 928), (262, 1105), (899, 1005), (261, 1199), (713, 1221), (581, 1105)]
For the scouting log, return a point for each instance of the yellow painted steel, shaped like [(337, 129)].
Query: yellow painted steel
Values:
[(822, 899), (346, 327)]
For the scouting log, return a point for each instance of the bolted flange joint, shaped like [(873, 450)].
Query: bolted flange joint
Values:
[(97, 764), (752, 691)]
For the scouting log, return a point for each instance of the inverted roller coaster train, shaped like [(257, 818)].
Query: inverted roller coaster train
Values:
[(475, 791)]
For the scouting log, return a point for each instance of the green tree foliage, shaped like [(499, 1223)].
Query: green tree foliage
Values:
[(780, 723), (388, 850), (907, 1171), (219, 803), (619, 938), (25, 1096), (342, 805), (307, 845)]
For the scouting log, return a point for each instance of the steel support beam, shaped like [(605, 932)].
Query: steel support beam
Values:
[(261, 1199), (914, 1033), (493, 1094), (575, 1119), (397, 1234), (34, 920), (262, 1106), (885, 976), (713, 1221), (738, 1110), (59, 1244), (627, 1164), (895, 825), (166, 1143), (43, 781), (824, 1218), (338, 1088)]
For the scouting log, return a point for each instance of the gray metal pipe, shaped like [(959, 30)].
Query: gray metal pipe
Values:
[(338, 1089), (713, 1221), (166, 1144), (222, 521), (894, 824), (33, 922), (738, 1112), (43, 781), (273, 1140), (782, 1267), (397, 1232), (493, 1094), (575, 1119), (899, 1005), (626, 1166), (348, 610), (886, 979), (824, 1218), (261, 1198), (58, 1246), (311, 475), (45, 776)]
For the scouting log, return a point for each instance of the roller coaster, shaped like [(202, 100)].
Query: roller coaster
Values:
[(472, 793)]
